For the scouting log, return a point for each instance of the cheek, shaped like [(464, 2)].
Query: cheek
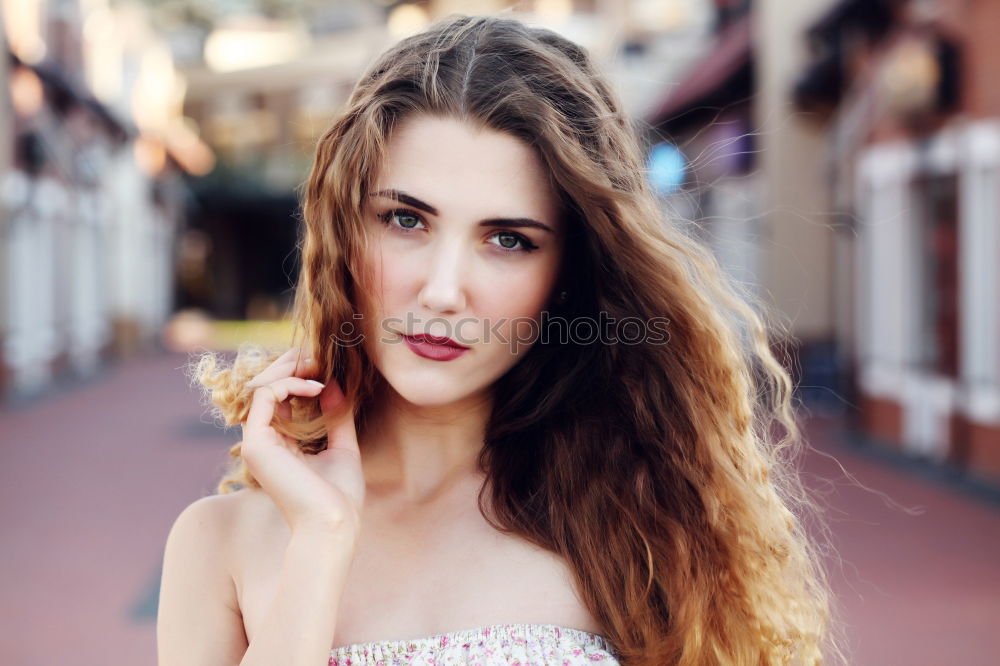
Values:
[(518, 289), (392, 273), (514, 294), (516, 299)]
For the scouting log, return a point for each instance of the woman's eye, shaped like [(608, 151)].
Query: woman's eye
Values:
[(406, 220), (510, 242)]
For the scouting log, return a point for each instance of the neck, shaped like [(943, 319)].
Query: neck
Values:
[(415, 453)]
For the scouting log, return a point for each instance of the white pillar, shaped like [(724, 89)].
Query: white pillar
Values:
[(979, 245), (886, 317), (32, 339)]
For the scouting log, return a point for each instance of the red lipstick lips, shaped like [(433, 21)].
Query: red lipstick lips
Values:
[(433, 339), (433, 347)]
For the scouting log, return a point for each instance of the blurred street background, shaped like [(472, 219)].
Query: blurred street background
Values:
[(840, 157)]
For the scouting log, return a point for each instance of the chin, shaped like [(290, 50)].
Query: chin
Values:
[(427, 383), (434, 384), (421, 392)]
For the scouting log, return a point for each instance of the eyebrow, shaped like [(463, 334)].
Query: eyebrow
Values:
[(409, 200)]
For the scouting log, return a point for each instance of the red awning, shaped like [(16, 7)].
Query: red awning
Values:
[(731, 51)]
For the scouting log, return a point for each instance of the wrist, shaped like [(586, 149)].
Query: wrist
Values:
[(319, 534)]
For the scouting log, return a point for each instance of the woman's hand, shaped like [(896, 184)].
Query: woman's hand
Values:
[(322, 492)]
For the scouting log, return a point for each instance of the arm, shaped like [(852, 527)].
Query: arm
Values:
[(299, 626), (199, 621), (320, 498)]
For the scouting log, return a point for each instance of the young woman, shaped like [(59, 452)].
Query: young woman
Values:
[(526, 421)]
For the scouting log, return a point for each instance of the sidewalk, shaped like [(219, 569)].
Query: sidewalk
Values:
[(91, 480), (919, 573)]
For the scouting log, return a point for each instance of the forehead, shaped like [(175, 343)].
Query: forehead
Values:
[(461, 168)]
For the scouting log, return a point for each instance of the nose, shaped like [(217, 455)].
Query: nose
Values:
[(443, 290)]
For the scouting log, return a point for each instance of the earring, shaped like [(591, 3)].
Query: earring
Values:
[(563, 296)]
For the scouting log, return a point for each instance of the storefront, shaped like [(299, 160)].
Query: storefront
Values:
[(915, 158)]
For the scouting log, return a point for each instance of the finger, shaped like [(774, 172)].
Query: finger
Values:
[(266, 397), (339, 416), (288, 355), (304, 368), (298, 367), (291, 354)]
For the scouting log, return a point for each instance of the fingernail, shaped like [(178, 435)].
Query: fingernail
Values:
[(313, 381)]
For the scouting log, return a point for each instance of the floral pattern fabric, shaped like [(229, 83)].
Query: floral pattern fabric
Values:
[(494, 645)]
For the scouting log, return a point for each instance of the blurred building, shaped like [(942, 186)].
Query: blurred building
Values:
[(910, 101), (707, 117), (751, 179), (90, 199), (262, 87)]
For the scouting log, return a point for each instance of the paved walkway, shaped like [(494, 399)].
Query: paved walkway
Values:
[(92, 478), (918, 564), (90, 482)]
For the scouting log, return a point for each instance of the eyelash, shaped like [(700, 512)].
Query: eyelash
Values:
[(386, 218)]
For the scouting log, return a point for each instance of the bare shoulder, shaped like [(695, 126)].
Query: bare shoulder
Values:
[(211, 519), (227, 521), (199, 619), (203, 532), (213, 534)]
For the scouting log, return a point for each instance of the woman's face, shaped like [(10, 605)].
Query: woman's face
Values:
[(465, 242)]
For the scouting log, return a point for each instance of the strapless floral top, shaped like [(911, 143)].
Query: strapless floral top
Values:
[(493, 645)]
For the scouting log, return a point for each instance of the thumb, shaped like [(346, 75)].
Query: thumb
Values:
[(338, 412)]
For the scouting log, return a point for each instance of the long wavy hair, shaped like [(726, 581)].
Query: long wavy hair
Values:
[(664, 474)]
